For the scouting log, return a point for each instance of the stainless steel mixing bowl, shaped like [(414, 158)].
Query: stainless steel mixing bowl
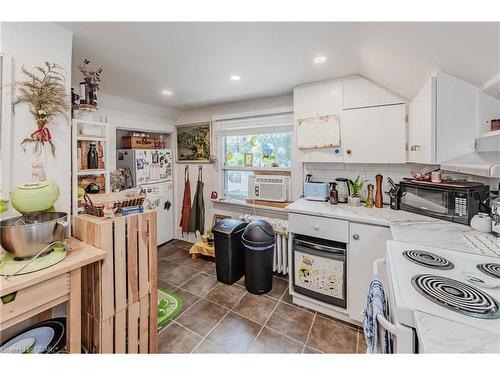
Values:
[(27, 240)]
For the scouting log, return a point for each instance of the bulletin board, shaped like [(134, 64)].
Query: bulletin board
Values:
[(318, 132)]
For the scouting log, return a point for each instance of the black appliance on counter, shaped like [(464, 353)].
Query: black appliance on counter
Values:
[(447, 200)]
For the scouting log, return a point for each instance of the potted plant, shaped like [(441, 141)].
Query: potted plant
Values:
[(355, 188), (89, 86), (45, 93), (210, 236)]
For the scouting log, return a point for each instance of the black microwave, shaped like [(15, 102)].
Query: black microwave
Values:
[(452, 201)]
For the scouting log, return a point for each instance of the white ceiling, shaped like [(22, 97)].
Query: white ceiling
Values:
[(194, 60)]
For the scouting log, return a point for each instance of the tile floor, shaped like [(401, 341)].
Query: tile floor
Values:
[(220, 318)]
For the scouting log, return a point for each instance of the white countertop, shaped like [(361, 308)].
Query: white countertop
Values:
[(405, 226), (438, 335)]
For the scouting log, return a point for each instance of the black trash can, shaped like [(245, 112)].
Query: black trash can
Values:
[(229, 251), (258, 239)]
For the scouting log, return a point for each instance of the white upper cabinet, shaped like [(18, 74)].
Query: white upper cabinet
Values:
[(372, 121), (442, 120), (374, 134), (359, 92), (309, 101)]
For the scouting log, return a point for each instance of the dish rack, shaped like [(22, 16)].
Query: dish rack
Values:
[(95, 206)]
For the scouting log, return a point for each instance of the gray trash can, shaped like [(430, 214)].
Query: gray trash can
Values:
[(258, 239), (229, 252)]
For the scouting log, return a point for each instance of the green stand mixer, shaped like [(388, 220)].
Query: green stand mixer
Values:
[(36, 239)]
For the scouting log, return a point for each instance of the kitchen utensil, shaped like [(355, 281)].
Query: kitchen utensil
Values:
[(481, 222), (343, 189), (379, 200), (34, 198), (24, 238), (92, 188)]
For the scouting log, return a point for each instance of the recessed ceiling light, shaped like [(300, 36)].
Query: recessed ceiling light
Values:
[(167, 92), (319, 59), (234, 77)]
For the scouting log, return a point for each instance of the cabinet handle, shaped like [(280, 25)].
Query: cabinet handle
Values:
[(355, 236), (316, 227), (348, 151)]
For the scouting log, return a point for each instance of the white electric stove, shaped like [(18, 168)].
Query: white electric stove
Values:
[(444, 283)]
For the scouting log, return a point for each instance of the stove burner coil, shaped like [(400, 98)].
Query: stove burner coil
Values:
[(490, 269), (457, 296), (426, 259)]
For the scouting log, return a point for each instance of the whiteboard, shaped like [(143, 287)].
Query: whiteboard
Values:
[(318, 132)]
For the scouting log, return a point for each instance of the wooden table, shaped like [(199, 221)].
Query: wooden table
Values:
[(40, 291)]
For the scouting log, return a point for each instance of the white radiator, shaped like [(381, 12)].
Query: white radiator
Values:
[(281, 254)]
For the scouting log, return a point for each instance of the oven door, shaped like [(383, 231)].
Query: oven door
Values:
[(320, 270), (428, 201)]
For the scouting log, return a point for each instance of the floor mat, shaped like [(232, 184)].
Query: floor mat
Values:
[(169, 305)]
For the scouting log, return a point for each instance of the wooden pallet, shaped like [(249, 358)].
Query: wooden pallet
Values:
[(119, 296)]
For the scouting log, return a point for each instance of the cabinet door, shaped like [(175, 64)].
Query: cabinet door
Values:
[(367, 243), (422, 125), (310, 101), (374, 135), (456, 117)]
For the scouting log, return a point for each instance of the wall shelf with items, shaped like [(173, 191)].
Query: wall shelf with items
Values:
[(85, 168)]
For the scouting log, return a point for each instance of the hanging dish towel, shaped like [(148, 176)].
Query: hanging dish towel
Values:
[(186, 203), (197, 219), (375, 305)]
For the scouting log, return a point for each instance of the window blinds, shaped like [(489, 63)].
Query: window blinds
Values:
[(262, 124)]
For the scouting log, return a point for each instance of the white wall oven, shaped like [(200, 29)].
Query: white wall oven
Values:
[(320, 269)]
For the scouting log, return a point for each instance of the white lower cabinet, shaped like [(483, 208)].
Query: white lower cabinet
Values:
[(367, 243)]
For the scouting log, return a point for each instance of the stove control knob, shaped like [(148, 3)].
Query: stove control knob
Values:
[(355, 236)]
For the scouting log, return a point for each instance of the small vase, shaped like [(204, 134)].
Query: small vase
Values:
[(354, 201), (88, 94)]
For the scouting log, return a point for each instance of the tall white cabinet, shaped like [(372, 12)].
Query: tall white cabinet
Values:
[(442, 120)]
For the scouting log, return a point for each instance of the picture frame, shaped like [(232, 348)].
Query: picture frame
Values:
[(193, 142), (248, 159), (219, 217)]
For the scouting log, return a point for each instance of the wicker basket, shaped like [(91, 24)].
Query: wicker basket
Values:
[(118, 200)]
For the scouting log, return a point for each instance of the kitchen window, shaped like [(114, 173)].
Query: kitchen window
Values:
[(249, 145)]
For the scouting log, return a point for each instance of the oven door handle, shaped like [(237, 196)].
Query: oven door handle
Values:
[(318, 247), (337, 255), (386, 324), (377, 265)]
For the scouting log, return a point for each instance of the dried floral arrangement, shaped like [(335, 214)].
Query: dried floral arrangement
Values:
[(89, 75), (45, 93)]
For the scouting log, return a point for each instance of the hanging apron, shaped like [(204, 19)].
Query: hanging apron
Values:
[(197, 219), (186, 203)]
